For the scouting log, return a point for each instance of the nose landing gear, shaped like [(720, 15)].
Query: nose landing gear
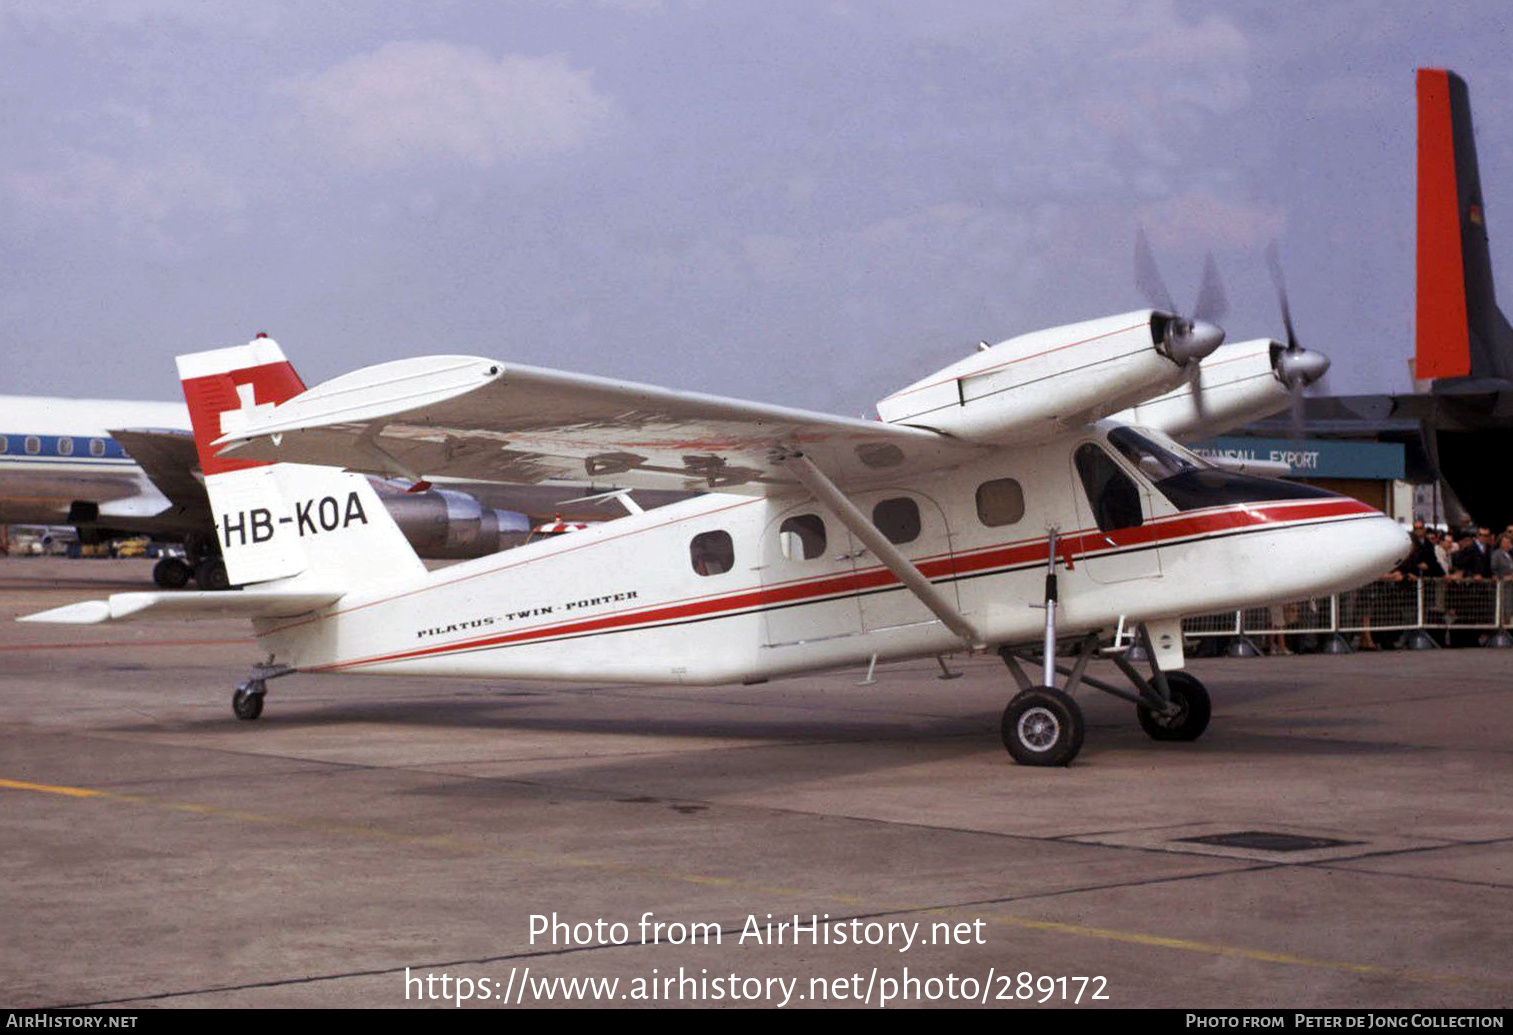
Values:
[(1043, 725)]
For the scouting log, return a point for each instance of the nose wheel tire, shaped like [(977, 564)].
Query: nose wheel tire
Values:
[(1189, 720), (247, 702), (1042, 727)]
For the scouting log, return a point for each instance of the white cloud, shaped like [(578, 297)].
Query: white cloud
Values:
[(442, 101), (158, 203)]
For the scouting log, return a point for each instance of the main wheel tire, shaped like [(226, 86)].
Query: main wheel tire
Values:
[(1191, 718), (211, 575), (246, 704), (171, 573), (1042, 727)]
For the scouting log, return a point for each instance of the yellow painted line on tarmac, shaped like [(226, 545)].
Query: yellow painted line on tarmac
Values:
[(1237, 952), (49, 788), (1023, 923)]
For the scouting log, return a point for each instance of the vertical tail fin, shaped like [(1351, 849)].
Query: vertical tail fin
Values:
[(279, 520), (1460, 332)]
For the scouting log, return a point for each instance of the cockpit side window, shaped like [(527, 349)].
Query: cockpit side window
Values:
[(1191, 483), (1113, 495), (1153, 460)]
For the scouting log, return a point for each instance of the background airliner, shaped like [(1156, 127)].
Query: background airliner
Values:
[(112, 467)]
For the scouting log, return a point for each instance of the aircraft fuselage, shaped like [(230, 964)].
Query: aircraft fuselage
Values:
[(711, 590)]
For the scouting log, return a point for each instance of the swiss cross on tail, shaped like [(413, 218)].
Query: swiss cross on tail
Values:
[(250, 410), (228, 389)]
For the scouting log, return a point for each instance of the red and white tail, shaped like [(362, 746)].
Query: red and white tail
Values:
[(279, 520)]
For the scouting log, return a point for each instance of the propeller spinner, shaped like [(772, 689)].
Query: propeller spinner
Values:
[(1185, 339), (1295, 366)]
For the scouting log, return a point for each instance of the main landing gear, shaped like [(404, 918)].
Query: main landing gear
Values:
[(247, 700), (202, 562), (1043, 724)]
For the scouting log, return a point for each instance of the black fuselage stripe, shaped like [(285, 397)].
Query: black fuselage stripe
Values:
[(857, 595)]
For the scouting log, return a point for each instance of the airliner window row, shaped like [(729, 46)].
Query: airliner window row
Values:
[(59, 445), (999, 502)]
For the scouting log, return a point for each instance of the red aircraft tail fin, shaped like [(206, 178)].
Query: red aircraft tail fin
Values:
[(1459, 330)]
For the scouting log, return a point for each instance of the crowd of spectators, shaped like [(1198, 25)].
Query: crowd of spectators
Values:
[(1457, 554), (1386, 613)]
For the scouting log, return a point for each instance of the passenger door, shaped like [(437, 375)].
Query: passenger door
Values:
[(808, 578), (1112, 509), (917, 526)]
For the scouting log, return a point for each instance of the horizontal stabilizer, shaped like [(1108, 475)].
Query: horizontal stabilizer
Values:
[(252, 603)]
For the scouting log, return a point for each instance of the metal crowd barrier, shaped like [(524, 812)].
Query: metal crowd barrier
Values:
[(1408, 606)]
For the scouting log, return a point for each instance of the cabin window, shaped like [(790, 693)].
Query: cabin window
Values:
[(712, 553), (1000, 502), (802, 537), (897, 519), (33, 444), (5, 444), (96, 447), (65, 447), (1112, 493)]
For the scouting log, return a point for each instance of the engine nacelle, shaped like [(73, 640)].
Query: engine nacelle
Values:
[(1036, 385), (1236, 385), (451, 525)]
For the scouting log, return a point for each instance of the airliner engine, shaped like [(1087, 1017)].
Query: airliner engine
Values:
[(449, 524)]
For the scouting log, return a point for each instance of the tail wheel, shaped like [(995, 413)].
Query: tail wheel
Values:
[(1042, 727), (247, 702), (1191, 717)]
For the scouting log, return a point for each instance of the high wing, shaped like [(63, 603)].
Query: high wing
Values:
[(474, 418), (169, 460)]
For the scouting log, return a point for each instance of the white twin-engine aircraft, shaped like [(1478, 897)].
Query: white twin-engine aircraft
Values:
[(995, 506)]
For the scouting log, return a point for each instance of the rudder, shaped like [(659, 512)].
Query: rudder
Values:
[(1459, 331), (279, 520)]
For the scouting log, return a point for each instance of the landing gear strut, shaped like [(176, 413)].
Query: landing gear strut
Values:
[(1043, 725), (247, 700)]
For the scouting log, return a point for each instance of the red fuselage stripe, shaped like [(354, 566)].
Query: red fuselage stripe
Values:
[(1029, 551)]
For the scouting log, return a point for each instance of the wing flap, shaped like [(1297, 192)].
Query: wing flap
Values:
[(474, 418)]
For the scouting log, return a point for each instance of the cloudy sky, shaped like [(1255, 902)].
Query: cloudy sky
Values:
[(809, 202)]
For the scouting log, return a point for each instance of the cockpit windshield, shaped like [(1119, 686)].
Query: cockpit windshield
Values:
[(1191, 482)]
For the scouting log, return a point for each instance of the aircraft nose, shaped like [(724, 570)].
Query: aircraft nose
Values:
[(1381, 544)]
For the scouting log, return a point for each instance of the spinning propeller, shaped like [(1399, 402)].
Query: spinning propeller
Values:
[(1186, 339), (1295, 366)]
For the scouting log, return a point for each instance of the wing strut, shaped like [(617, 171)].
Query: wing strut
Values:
[(824, 490)]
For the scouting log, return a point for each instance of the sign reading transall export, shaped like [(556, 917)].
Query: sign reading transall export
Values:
[(1313, 458)]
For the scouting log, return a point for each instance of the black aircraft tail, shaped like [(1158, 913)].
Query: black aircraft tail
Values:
[(1460, 332)]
